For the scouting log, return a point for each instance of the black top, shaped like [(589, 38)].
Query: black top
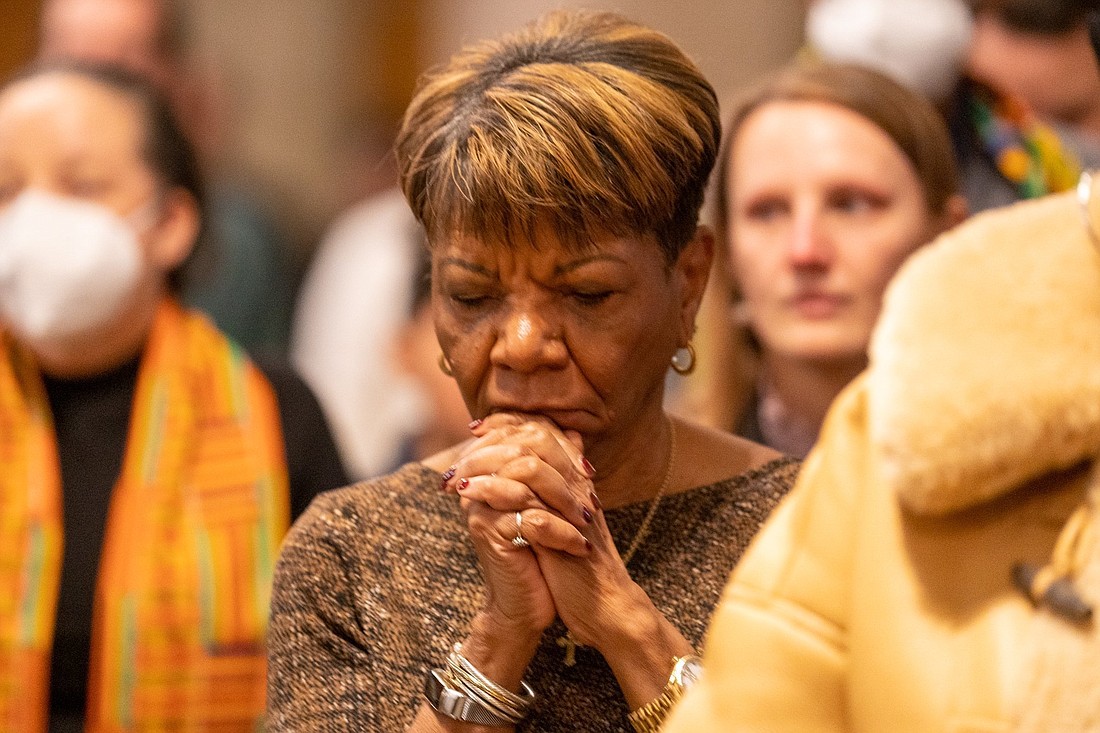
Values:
[(91, 417)]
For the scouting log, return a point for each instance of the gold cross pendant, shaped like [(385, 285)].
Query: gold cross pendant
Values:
[(570, 645)]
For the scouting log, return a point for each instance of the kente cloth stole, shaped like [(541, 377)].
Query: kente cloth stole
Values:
[(192, 536)]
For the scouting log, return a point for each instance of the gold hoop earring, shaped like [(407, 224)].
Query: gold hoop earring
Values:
[(445, 365), (684, 363)]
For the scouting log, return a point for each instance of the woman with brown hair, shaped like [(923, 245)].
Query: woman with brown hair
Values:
[(830, 177), (937, 567), (555, 572)]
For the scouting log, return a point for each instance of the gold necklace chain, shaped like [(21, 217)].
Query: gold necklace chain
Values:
[(567, 641), (643, 530)]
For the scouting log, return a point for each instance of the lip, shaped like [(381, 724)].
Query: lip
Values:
[(818, 305)]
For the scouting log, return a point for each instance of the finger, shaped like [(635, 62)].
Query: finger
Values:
[(570, 438), (549, 486), (531, 454), (486, 459), (544, 530), (500, 493), (547, 441)]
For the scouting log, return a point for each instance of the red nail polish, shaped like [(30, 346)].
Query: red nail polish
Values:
[(588, 468), (587, 545), (463, 484), (474, 424), (587, 515), (449, 474), (595, 501)]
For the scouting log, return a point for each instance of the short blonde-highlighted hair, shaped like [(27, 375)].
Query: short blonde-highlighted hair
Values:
[(583, 122)]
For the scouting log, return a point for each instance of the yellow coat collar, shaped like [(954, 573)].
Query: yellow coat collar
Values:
[(985, 366)]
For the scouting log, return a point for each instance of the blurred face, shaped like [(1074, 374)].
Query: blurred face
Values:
[(72, 137), (121, 32), (1056, 75), (583, 338), (73, 179), (824, 207)]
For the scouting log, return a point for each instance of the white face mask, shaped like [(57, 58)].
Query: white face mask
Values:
[(67, 267), (919, 43)]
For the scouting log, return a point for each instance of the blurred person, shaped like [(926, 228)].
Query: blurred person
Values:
[(347, 319), (558, 173), (937, 566), (1039, 51), (243, 280), (830, 177), (1003, 151), (149, 468), (443, 418)]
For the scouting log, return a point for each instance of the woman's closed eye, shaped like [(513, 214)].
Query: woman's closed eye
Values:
[(591, 297), (469, 300)]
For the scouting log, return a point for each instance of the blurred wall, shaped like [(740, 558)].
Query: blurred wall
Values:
[(18, 26), (304, 77), (733, 41), (307, 92)]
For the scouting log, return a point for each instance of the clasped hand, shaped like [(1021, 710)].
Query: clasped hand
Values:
[(526, 464)]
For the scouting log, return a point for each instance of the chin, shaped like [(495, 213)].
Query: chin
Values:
[(825, 348)]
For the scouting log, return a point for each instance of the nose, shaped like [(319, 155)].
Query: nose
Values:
[(529, 339), (809, 246)]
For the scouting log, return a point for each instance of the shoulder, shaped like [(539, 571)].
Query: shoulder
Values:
[(356, 508), (707, 455)]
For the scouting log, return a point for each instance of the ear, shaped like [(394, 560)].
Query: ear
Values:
[(955, 212), (173, 236), (693, 269)]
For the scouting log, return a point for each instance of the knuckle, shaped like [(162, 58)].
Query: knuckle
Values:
[(537, 521)]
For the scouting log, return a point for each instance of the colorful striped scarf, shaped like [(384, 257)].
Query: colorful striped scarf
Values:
[(1027, 153), (192, 535)]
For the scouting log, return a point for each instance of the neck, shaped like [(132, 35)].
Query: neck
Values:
[(807, 388), (631, 468)]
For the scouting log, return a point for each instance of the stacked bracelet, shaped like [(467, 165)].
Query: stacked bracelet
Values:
[(463, 693)]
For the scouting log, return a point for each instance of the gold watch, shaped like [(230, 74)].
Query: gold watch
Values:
[(685, 672)]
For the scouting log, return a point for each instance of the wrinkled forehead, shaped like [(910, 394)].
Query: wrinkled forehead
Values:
[(545, 252)]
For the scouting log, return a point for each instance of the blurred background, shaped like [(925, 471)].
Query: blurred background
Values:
[(307, 92)]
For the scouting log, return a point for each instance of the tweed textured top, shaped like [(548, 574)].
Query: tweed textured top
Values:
[(378, 580)]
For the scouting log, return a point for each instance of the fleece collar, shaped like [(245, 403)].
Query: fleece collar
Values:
[(985, 365)]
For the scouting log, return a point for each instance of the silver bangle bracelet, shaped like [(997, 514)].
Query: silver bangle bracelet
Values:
[(489, 693), (463, 693), (448, 701)]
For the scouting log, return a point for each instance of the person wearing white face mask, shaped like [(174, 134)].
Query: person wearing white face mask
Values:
[(149, 467), (1003, 152)]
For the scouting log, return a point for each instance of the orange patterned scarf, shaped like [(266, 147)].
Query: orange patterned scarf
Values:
[(192, 535)]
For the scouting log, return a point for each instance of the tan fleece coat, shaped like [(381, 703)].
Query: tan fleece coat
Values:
[(878, 597)]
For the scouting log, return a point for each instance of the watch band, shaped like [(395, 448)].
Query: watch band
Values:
[(649, 717), (455, 704)]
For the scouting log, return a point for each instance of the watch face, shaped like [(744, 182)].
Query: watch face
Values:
[(690, 672)]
